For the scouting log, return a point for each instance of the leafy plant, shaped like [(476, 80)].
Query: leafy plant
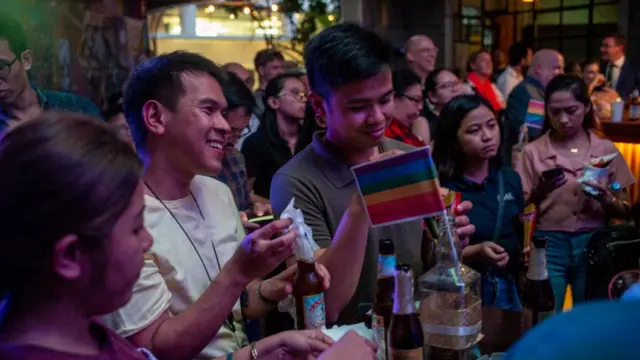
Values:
[(305, 17)]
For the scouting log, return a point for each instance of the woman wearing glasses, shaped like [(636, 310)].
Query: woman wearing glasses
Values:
[(407, 105), (440, 87), (278, 136)]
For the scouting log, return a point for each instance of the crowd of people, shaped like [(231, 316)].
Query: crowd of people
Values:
[(129, 238)]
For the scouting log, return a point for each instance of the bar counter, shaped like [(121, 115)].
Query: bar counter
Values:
[(626, 136)]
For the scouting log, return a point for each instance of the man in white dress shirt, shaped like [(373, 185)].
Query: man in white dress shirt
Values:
[(619, 72), (519, 59)]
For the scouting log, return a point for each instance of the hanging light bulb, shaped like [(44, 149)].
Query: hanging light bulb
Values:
[(274, 7), (232, 16), (246, 10)]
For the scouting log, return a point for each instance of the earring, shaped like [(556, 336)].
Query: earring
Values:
[(320, 121)]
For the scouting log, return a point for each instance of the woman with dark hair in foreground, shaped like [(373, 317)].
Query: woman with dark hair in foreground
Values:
[(73, 243)]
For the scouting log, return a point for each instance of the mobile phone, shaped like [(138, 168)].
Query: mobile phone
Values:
[(552, 174)]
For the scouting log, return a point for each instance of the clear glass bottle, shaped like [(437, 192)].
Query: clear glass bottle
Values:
[(449, 294)]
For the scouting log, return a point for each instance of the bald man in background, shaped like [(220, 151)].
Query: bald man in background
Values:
[(545, 65), (421, 55)]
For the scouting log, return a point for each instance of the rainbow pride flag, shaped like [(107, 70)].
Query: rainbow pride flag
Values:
[(535, 114), (400, 188)]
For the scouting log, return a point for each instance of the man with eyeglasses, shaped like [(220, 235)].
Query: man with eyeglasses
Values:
[(18, 99), (247, 78)]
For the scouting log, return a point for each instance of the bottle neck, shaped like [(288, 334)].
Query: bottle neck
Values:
[(444, 251), (386, 265), (538, 264), (306, 267), (403, 303)]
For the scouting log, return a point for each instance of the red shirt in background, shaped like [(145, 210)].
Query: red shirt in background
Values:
[(399, 132)]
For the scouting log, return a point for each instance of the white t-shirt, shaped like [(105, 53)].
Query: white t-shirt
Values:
[(173, 276)]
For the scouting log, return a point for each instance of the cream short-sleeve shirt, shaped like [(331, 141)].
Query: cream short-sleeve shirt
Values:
[(174, 275)]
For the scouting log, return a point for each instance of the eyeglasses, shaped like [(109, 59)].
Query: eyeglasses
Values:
[(240, 133), (415, 100), (449, 85), (5, 67), (298, 95)]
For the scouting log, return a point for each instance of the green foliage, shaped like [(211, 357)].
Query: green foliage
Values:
[(316, 17), (307, 16)]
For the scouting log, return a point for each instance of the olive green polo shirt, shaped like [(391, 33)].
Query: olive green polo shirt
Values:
[(323, 186)]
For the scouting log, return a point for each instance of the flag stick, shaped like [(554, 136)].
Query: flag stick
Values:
[(454, 253)]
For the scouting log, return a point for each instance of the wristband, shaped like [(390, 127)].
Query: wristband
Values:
[(262, 298), (254, 351), (230, 356)]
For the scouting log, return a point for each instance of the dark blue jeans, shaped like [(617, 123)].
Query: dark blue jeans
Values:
[(500, 292), (567, 264)]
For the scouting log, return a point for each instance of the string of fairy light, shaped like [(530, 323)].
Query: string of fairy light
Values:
[(233, 8)]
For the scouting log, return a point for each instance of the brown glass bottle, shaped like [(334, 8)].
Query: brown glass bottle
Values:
[(309, 295), (405, 339), (383, 300), (537, 298)]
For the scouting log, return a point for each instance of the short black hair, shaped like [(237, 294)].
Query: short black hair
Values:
[(517, 52), (160, 79), (265, 56), (343, 54), (113, 106), (12, 31), (619, 39), (238, 94), (402, 79)]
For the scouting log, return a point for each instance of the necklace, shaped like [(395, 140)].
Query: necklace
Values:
[(230, 319)]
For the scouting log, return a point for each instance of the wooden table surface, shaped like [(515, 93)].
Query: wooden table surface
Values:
[(625, 131)]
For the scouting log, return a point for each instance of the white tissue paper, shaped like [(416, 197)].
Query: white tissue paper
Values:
[(303, 248), (337, 332), (597, 169), (304, 239)]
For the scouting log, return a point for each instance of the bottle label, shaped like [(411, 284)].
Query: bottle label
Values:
[(314, 315), (413, 354), (386, 265), (634, 111), (532, 318), (377, 325), (537, 264)]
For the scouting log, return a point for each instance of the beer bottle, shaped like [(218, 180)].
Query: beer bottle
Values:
[(405, 337), (634, 105), (309, 296), (537, 298), (383, 301)]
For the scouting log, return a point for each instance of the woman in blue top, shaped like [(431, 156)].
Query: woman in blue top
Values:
[(467, 153)]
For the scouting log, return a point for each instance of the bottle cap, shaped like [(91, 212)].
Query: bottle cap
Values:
[(539, 242), (615, 186), (403, 267)]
